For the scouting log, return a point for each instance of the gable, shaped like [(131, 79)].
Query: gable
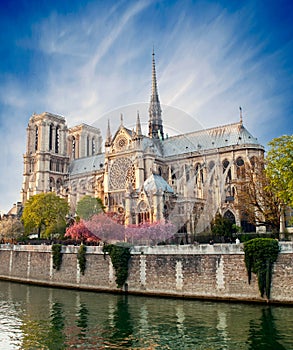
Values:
[(122, 139)]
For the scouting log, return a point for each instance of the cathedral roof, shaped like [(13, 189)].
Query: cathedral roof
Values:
[(155, 183), (87, 164), (209, 139)]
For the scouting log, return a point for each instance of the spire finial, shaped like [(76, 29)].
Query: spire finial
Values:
[(241, 119), (121, 119)]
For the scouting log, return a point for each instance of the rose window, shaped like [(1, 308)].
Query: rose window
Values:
[(122, 173)]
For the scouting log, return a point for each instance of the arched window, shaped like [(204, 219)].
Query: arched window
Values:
[(197, 173), (57, 139), (88, 146), (173, 175), (36, 138), (58, 184), (240, 168), (211, 165), (230, 216), (225, 164), (52, 184), (73, 142), (253, 162), (187, 172), (93, 146), (201, 175), (50, 137), (143, 212)]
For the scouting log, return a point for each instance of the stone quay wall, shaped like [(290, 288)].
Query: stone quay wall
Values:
[(215, 272)]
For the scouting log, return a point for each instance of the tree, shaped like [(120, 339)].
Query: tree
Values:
[(150, 233), (221, 226), (89, 206), (10, 229), (45, 212), (279, 168), (106, 228), (80, 232), (256, 200)]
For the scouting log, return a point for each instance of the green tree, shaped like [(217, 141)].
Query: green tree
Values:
[(45, 212), (222, 227), (279, 168), (89, 206)]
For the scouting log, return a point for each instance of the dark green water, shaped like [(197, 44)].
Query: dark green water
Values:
[(44, 318)]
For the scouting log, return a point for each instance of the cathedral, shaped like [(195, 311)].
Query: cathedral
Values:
[(186, 178)]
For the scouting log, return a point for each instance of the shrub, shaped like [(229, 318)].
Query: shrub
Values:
[(119, 257), (260, 255), (57, 256), (81, 256)]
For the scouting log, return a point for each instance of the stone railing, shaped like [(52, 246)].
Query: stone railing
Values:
[(187, 249)]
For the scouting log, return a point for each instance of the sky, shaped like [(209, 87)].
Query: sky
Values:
[(91, 60)]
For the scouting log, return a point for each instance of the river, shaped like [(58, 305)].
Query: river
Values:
[(35, 317)]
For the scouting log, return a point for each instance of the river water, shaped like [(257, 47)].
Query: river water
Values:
[(34, 317)]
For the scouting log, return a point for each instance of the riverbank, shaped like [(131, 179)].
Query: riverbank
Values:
[(215, 272)]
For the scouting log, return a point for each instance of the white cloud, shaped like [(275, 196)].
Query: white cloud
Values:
[(88, 64)]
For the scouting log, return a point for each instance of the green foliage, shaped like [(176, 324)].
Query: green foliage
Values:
[(119, 257), (260, 255), (89, 206), (81, 256), (57, 256), (45, 212), (222, 226), (279, 167)]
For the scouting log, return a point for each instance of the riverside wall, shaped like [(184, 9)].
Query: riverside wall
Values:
[(192, 271)]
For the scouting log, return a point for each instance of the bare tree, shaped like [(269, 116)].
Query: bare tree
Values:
[(256, 201), (10, 229)]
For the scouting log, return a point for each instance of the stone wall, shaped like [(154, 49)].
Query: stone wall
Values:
[(196, 271)]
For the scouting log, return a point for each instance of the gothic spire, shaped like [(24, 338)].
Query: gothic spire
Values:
[(155, 112), (138, 126), (108, 135)]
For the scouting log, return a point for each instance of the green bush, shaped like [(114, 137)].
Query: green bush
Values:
[(119, 257), (82, 258), (57, 256), (260, 255)]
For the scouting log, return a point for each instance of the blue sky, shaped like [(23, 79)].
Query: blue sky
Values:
[(87, 60)]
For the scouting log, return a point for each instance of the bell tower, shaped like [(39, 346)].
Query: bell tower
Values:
[(46, 159)]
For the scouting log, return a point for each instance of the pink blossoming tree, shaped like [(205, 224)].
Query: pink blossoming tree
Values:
[(150, 233), (80, 232), (106, 228)]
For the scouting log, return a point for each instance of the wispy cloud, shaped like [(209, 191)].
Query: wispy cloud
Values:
[(88, 64)]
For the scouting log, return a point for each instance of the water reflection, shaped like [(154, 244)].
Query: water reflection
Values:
[(44, 318), (82, 320), (264, 335), (121, 324)]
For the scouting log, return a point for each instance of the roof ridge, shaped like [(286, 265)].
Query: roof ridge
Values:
[(206, 130)]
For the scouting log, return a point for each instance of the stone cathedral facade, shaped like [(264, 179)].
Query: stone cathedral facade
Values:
[(186, 178)]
